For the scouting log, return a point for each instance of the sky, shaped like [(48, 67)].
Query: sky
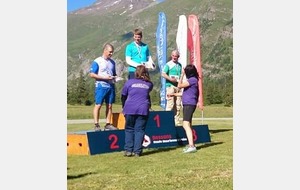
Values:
[(77, 4)]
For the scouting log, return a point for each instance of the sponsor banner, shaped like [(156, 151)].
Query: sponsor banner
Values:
[(161, 48)]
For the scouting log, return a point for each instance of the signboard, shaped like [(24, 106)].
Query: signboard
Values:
[(160, 132)]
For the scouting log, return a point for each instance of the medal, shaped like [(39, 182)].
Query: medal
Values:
[(139, 49)]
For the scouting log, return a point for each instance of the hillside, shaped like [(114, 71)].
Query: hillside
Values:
[(114, 21)]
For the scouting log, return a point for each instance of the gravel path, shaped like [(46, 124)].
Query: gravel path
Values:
[(80, 121)]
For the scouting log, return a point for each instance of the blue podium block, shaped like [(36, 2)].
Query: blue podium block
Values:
[(159, 119), (160, 132), (112, 141), (106, 141)]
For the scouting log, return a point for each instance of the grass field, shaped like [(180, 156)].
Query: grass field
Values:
[(210, 168), (85, 112)]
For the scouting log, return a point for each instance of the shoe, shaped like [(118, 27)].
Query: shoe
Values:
[(136, 155), (109, 127), (190, 149), (185, 148), (97, 127), (128, 154)]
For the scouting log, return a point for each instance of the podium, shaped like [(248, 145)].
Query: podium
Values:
[(160, 132)]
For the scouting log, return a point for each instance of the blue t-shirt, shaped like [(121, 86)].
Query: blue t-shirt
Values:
[(191, 93), (138, 53), (104, 67), (138, 97)]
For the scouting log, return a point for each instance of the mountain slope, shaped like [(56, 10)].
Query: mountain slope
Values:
[(88, 31), (114, 21)]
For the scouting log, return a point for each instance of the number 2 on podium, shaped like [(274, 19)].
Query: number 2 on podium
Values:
[(114, 139)]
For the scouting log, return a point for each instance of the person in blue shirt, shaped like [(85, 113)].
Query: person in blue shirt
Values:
[(103, 70), (136, 103), (138, 53)]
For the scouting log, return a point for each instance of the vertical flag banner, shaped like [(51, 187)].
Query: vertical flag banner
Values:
[(161, 50), (195, 54), (181, 40)]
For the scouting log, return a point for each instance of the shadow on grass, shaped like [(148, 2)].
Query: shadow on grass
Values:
[(206, 145), (219, 130), (153, 151), (79, 176)]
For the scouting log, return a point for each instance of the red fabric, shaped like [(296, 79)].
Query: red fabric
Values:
[(193, 45)]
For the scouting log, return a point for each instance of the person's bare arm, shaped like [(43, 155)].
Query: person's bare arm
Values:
[(163, 74), (176, 94), (181, 83), (99, 77)]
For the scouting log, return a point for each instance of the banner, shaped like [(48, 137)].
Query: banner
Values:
[(193, 41), (161, 48), (181, 40)]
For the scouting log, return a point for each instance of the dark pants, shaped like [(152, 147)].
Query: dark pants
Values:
[(131, 75), (134, 133)]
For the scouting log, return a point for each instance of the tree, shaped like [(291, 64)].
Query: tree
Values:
[(81, 88)]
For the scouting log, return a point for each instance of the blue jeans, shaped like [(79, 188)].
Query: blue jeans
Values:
[(134, 133)]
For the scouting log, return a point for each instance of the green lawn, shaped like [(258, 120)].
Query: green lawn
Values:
[(85, 112)]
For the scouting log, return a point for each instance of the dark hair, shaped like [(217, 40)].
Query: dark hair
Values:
[(142, 73), (191, 71), (138, 32)]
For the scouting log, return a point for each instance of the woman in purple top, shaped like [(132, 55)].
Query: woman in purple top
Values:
[(136, 104), (190, 96)]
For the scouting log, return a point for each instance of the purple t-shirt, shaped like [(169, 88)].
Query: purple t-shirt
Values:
[(191, 93), (138, 97)]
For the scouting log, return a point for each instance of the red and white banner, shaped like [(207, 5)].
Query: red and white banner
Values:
[(193, 45)]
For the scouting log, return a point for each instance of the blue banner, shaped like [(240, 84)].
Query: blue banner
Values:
[(161, 48)]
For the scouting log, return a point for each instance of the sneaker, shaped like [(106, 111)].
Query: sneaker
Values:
[(185, 148), (136, 155), (190, 149), (97, 127), (128, 154), (109, 127)]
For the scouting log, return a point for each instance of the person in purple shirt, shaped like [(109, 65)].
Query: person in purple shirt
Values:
[(190, 96), (136, 103)]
